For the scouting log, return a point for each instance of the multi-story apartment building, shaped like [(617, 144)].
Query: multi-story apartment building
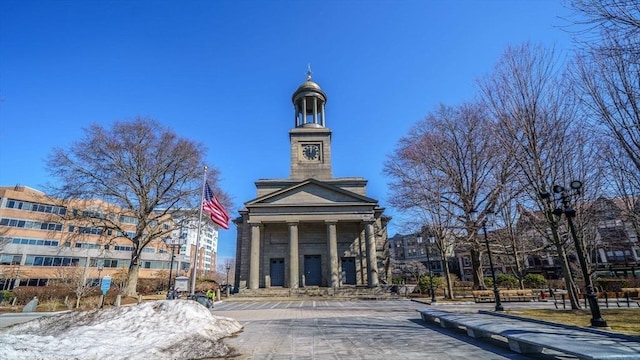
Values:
[(608, 227), (37, 239), (407, 248)]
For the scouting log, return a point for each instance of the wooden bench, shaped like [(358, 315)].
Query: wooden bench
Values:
[(505, 295), (483, 296), (531, 336), (518, 295)]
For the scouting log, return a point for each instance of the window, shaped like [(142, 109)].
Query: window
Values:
[(29, 206), (31, 224), (128, 219), (36, 242), (52, 261), (8, 259), (84, 245)]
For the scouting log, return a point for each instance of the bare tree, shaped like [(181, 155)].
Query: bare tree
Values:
[(73, 278), (138, 174), (450, 160), (608, 82), (414, 268), (510, 244), (539, 125), (598, 22), (226, 271)]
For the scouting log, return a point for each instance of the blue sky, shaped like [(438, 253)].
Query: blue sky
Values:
[(223, 72)]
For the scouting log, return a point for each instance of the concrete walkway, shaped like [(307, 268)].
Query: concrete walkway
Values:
[(319, 329)]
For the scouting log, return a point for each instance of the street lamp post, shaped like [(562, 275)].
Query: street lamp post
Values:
[(100, 268), (169, 241), (228, 269), (496, 291), (562, 198), (433, 293)]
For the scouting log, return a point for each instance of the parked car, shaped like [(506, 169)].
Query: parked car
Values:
[(202, 299)]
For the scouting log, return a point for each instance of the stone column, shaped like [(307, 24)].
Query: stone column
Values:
[(333, 253), (294, 275), (315, 110), (372, 260), (304, 110), (254, 265)]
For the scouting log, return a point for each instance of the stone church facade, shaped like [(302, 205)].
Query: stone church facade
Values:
[(311, 230)]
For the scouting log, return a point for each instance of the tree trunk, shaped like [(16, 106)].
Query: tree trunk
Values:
[(77, 302), (132, 280), (478, 274), (568, 278), (448, 278)]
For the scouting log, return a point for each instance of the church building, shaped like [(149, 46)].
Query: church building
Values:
[(311, 230)]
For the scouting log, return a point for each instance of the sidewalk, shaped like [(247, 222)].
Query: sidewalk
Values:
[(330, 329)]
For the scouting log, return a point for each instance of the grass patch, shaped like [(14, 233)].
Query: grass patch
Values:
[(626, 321)]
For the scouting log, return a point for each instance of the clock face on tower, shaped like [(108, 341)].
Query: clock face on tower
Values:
[(311, 151)]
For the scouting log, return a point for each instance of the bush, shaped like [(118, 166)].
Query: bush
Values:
[(7, 296), (534, 281), (425, 283), (44, 293), (507, 281), (610, 285)]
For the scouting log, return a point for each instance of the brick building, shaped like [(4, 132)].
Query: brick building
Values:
[(37, 239)]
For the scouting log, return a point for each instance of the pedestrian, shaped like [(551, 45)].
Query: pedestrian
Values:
[(211, 294)]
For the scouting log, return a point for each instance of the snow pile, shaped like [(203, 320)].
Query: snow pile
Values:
[(168, 329)]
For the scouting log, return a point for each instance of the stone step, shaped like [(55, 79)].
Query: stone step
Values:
[(344, 292)]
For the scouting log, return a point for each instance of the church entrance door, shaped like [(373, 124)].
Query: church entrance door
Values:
[(312, 270), (277, 272), (348, 270)]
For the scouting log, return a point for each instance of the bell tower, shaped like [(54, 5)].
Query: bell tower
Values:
[(310, 139)]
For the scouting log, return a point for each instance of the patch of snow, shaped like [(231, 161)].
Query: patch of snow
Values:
[(166, 329)]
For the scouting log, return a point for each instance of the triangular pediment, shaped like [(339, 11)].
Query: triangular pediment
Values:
[(311, 192)]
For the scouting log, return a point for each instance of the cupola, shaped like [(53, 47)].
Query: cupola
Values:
[(309, 101)]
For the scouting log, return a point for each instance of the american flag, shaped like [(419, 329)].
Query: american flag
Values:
[(212, 206)]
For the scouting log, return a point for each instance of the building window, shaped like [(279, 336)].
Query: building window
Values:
[(36, 242), (9, 259), (36, 207), (52, 261)]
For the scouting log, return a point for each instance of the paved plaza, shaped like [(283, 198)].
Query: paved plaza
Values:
[(319, 329)]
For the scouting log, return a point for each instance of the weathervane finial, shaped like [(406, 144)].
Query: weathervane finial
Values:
[(308, 72)]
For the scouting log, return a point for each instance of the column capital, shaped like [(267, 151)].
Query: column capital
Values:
[(330, 222), (293, 222)]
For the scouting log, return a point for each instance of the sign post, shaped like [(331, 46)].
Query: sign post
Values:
[(104, 286)]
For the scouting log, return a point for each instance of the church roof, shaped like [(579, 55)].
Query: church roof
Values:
[(311, 192)]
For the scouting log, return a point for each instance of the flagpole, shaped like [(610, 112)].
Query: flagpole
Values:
[(195, 256)]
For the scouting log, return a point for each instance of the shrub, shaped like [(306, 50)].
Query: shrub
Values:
[(557, 284), (488, 282), (507, 281), (7, 296), (425, 283), (610, 285), (534, 281)]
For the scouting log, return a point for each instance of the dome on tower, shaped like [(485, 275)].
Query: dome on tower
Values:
[(309, 88), (309, 101)]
